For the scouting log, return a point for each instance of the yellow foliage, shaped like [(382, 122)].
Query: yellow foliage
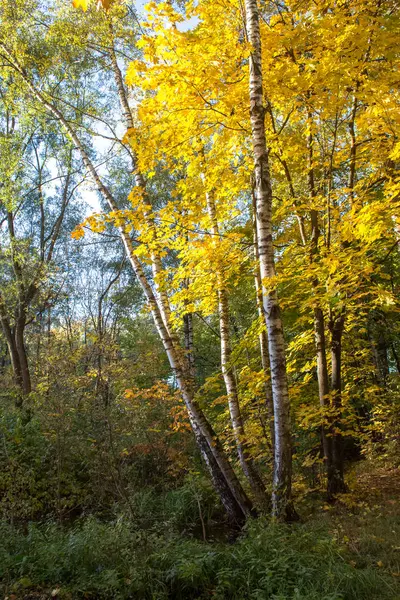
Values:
[(83, 4)]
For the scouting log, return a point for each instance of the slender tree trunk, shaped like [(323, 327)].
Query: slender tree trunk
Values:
[(353, 149), (380, 354), (281, 497), (189, 349), (22, 354), (16, 348), (380, 348), (156, 264), (245, 460), (263, 339), (9, 334), (319, 325), (382, 351), (336, 485), (22, 373), (395, 356), (235, 514), (323, 392)]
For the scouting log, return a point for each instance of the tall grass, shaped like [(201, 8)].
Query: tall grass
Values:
[(116, 561)]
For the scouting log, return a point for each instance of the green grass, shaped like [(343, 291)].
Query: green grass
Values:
[(115, 561)]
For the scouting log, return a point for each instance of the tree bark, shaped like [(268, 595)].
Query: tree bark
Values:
[(263, 339), (235, 515), (319, 330), (16, 348), (189, 349), (282, 507), (323, 392), (336, 484), (9, 334), (22, 354), (245, 460)]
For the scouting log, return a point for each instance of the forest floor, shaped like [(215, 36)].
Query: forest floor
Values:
[(364, 524), (366, 520)]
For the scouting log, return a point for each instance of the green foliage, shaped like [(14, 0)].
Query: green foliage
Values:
[(74, 454), (115, 560)]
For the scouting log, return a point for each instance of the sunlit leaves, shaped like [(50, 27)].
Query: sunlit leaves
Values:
[(84, 4)]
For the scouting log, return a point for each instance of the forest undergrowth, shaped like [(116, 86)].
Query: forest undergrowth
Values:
[(343, 551)]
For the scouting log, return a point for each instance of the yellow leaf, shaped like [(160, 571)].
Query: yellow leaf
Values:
[(83, 4), (78, 233), (104, 3)]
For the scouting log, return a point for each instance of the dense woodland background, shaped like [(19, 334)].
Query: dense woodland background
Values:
[(199, 299)]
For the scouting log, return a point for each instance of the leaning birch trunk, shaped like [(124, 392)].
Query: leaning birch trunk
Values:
[(238, 498), (162, 297), (140, 183), (281, 495), (218, 480), (245, 460)]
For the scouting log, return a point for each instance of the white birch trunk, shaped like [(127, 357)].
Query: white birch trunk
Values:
[(281, 496), (245, 460), (263, 339), (156, 266)]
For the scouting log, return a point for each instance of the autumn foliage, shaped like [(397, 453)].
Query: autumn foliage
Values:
[(200, 271)]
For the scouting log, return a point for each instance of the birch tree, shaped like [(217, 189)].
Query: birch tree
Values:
[(281, 497)]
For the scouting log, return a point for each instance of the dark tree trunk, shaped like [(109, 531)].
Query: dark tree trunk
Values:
[(380, 351), (23, 357), (323, 389), (336, 484), (319, 330), (9, 334)]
